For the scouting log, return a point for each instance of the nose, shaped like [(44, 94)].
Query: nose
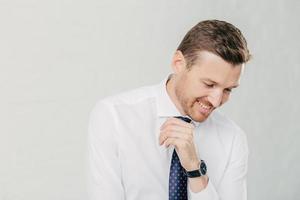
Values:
[(215, 98)]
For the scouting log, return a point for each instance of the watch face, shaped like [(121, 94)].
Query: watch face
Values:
[(203, 168)]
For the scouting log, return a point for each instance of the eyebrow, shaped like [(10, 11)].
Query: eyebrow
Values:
[(214, 82)]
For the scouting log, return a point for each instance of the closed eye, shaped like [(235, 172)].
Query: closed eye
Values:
[(208, 85), (228, 90)]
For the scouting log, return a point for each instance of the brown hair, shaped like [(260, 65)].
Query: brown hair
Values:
[(218, 37)]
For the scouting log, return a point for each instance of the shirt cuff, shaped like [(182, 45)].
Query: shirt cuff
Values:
[(208, 193)]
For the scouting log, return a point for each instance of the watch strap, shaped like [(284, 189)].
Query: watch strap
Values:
[(198, 172)]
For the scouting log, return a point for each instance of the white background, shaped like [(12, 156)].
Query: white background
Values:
[(58, 57)]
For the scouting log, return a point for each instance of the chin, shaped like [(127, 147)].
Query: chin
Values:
[(199, 117)]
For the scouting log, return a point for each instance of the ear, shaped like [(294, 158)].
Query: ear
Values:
[(178, 62)]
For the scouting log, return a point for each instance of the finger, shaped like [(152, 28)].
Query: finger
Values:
[(176, 142), (170, 141), (184, 132), (175, 121), (177, 128), (175, 134)]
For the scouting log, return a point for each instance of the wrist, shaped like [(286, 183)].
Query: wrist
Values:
[(198, 184), (200, 171), (193, 166)]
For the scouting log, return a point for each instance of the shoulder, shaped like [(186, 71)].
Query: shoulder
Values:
[(129, 97)]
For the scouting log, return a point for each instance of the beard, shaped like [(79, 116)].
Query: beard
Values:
[(185, 103), (189, 105)]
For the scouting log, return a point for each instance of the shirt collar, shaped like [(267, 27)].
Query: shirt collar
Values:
[(165, 107)]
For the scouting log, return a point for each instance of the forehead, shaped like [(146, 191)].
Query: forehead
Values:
[(213, 67)]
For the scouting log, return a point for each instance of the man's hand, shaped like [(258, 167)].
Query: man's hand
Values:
[(180, 134)]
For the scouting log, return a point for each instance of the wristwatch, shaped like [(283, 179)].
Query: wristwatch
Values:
[(198, 172)]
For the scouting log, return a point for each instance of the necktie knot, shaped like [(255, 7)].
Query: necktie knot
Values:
[(186, 119)]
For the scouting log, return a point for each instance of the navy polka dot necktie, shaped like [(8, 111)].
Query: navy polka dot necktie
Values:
[(177, 177)]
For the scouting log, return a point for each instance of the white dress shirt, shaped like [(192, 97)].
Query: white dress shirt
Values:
[(126, 161)]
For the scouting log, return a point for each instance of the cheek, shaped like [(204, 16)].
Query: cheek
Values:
[(196, 91), (202, 93)]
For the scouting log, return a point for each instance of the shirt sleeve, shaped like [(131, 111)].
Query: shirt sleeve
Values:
[(209, 193), (103, 165), (233, 184)]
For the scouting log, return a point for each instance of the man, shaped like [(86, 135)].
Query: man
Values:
[(167, 140)]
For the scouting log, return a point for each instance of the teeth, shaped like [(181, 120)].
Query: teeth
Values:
[(204, 106)]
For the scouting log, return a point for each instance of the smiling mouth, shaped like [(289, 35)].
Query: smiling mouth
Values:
[(204, 107)]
